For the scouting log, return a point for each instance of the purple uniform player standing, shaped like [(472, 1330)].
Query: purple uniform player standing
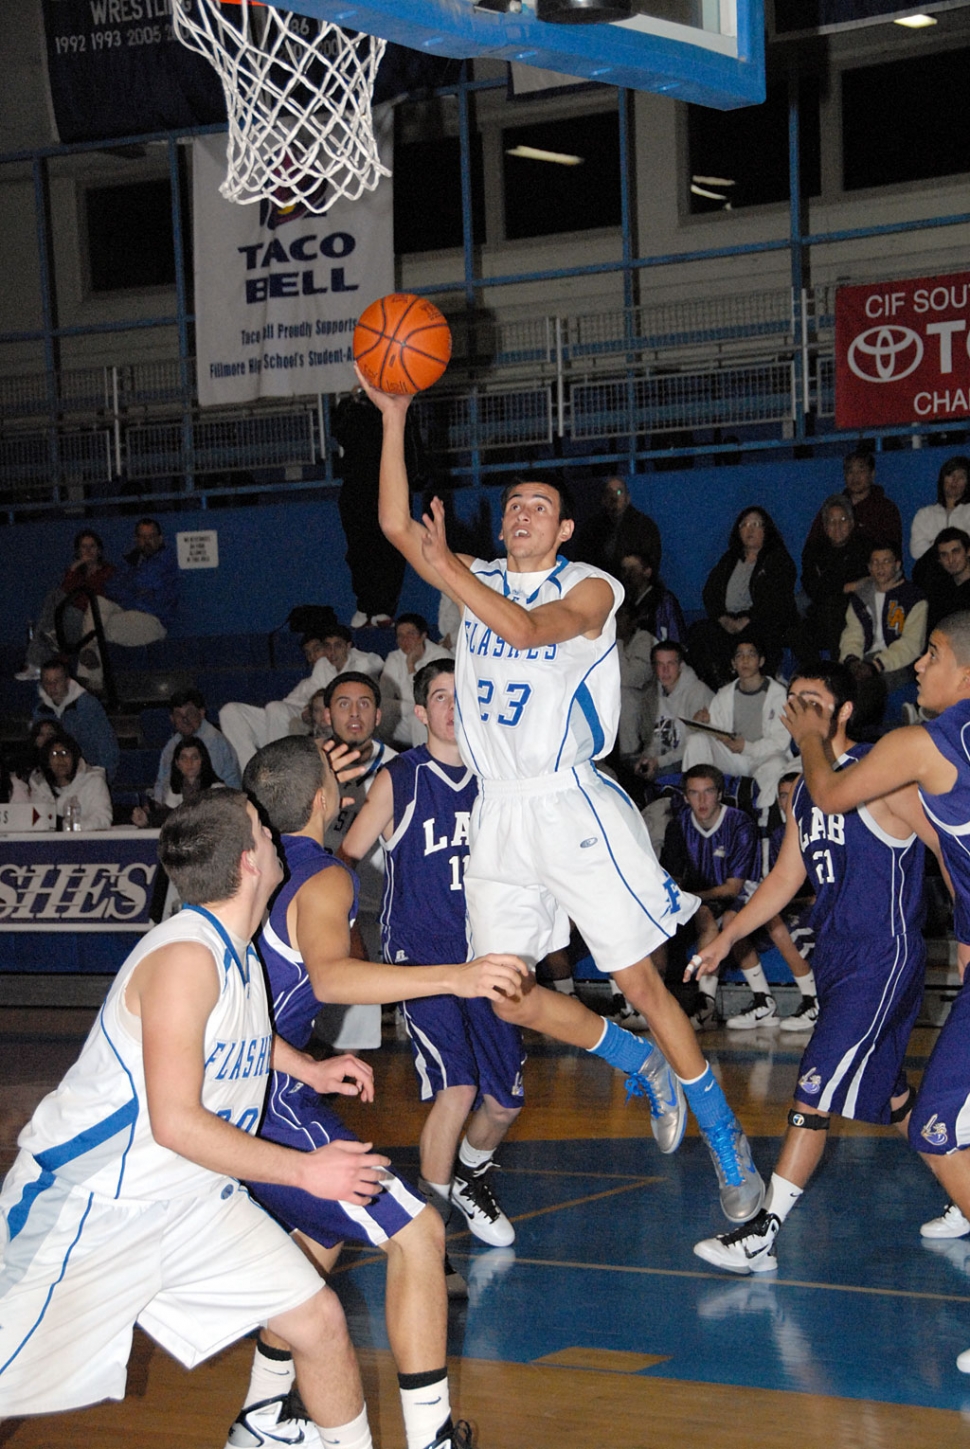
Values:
[(867, 870), (466, 1058)]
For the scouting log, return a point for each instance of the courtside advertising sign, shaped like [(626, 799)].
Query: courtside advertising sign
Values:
[(104, 881), (278, 291), (902, 352)]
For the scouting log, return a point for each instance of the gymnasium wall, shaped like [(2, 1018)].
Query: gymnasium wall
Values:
[(271, 558)]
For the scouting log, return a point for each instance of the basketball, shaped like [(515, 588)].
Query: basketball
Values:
[(402, 343)]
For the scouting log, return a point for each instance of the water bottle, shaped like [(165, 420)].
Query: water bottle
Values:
[(72, 814)]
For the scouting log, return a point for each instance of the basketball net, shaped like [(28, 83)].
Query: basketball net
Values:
[(298, 93)]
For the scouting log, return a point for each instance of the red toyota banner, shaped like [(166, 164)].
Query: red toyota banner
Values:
[(902, 351)]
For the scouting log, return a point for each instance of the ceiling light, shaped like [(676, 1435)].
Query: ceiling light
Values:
[(915, 22), (713, 180), (532, 153), (712, 195)]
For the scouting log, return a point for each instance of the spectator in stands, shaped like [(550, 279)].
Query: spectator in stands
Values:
[(832, 568), (648, 602), (615, 529), (633, 647), (78, 713), (187, 708), (65, 778), (248, 727), (13, 790), (885, 622), (753, 740), (951, 509), (414, 649), (140, 602), (875, 514), (87, 575), (750, 590), (676, 694), (191, 774), (952, 593)]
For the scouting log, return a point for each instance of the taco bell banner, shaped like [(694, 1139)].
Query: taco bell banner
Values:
[(902, 351), (277, 293)]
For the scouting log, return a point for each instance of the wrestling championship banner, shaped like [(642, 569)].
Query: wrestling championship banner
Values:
[(105, 881), (278, 292), (902, 352)]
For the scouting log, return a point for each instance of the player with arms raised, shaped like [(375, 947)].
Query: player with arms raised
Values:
[(537, 700)]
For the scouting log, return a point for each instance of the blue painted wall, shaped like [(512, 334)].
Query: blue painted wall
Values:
[(274, 557)]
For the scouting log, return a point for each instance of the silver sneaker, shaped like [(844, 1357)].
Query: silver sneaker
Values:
[(950, 1224), (741, 1188), (747, 1249), (668, 1106)]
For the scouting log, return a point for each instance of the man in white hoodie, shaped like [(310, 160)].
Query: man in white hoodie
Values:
[(676, 695), (752, 739)]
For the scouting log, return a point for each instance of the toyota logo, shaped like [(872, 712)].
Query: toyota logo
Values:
[(886, 353)]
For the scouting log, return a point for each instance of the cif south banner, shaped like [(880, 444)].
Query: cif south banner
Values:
[(902, 351), (277, 292)]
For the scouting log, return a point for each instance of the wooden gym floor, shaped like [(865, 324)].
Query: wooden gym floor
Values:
[(602, 1330)]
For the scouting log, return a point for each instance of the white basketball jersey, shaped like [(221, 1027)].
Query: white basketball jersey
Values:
[(520, 714), (94, 1130)]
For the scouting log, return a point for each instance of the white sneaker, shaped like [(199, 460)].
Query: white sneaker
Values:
[(803, 1018), (761, 1012), (472, 1193), (950, 1224), (963, 1361), (748, 1249), (358, 620), (29, 673), (273, 1422), (625, 1015), (704, 1017)]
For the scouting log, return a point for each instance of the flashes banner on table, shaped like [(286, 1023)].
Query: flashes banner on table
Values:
[(277, 293), (105, 881), (902, 351)]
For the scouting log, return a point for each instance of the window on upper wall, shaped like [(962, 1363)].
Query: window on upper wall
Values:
[(427, 194), (130, 239), (906, 120), (573, 184), (740, 158)]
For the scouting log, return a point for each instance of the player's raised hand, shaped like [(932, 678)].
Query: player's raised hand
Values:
[(342, 760), (345, 1171), (345, 1074), (434, 541), (707, 961), (385, 402), (804, 717), (495, 976)]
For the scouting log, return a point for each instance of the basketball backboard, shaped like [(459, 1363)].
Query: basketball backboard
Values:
[(710, 52)]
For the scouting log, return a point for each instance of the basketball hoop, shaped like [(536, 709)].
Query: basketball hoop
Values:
[(298, 95)]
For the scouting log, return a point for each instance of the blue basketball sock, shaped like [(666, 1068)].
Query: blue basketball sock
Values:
[(621, 1048), (706, 1100)]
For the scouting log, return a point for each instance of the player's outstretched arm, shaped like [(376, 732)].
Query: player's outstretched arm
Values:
[(345, 1074), (375, 818), (173, 991), (903, 757), (772, 895)]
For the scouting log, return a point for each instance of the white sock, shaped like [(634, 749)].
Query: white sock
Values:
[(757, 980), (781, 1197), (425, 1411), (566, 986), (355, 1435), (470, 1156), (272, 1374), (443, 1189), (806, 984), (708, 984)]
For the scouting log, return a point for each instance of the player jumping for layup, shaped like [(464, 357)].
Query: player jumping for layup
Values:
[(537, 699)]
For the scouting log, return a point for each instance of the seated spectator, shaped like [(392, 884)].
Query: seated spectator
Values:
[(875, 514), (677, 694), (188, 719), (248, 727), (750, 590), (649, 603), (140, 599), (13, 790), (831, 569), (711, 849), (633, 647), (951, 509), (414, 649), (948, 589), (87, 575), (78, 713), (885, 622), (65, 778), (615, 529), (191, 774), (754, 741)]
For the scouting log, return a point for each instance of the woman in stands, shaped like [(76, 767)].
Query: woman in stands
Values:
[(192, 774), (951, 510), (88, 573), (751, 588), (64, 779)]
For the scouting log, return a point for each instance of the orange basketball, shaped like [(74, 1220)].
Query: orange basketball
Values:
[(402, 343)]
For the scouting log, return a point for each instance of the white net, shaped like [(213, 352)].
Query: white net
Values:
[(298, 93)]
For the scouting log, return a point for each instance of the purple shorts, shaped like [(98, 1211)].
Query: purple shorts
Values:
[(940, 1123), (296, 1117), (869, 995), (462, 1043)]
